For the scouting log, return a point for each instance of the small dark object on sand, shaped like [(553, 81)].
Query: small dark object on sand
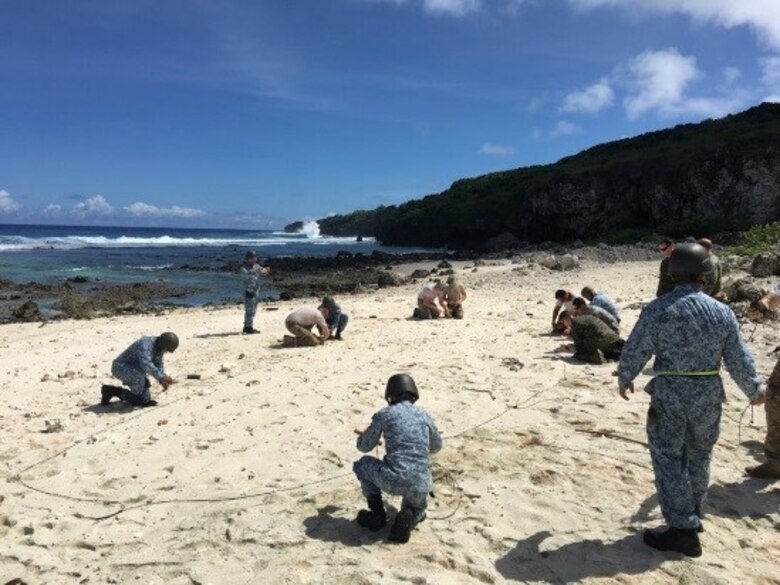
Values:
[(193, 376)]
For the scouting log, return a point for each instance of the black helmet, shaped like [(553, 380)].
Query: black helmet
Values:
[(168, 342), (688, 262), (250, 255), (399, 385)]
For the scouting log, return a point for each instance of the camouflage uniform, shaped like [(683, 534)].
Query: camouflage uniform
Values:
[(688, 332), (602, 301), (337, 320), (712, 279), (410, 437), (591, 336), (250, 276), (605, 316), (665, 280), (135, 363)]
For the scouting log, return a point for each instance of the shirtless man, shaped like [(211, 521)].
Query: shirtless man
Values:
[(455, 294), (431, 298), (300, 323)]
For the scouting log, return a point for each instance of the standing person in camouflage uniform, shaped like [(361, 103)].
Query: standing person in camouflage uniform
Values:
[(665, 281), (770, 469), (251, 272), (410, 438), (689, 333), (712, 279), (594, 341), (143, 358), (601, 300)]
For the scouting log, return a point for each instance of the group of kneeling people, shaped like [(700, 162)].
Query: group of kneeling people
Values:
[(592, 321), (437, 300)]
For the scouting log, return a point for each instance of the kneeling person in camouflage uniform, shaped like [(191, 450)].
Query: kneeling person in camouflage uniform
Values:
[(410, 436), (143, 358), (594, 341)]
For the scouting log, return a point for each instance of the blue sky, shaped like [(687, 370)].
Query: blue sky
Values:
[(239, 113)]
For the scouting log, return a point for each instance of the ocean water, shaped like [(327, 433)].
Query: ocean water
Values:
[(51, 254)]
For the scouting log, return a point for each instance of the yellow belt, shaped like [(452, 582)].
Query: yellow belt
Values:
[(704, 373)]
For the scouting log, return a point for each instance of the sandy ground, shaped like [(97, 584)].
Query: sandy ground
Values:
[(244, 476)]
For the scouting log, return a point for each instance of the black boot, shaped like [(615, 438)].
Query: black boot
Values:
[(107, 392), (402, 527), (375, 518), (250, 330), (675, 539)]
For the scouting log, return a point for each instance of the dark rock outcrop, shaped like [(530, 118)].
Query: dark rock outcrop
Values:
[(294, 227), (765, 265), (28, 311), (692, 179)]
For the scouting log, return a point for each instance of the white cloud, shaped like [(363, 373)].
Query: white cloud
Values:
[(658, 80), (96, 205), (770, 67), (497, 149), (463, 7), (763, 16), (7, 203), (590, 100), (141, 209), (564, 128), (454, 7), (52, 209)]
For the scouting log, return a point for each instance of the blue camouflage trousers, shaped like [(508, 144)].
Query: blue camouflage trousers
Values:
[(250, 308), (376, 478), (134, 379), (683, 424)]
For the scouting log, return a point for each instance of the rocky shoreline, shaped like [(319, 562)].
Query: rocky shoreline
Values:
[(306, 277)]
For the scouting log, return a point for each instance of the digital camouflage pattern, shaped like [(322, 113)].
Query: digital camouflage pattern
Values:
[(135, 363), (688, 332), (410, 437)]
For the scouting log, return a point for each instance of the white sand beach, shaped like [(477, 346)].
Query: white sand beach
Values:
[(244, 476)]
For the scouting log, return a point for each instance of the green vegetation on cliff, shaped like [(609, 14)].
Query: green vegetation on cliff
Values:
[(718, 174)]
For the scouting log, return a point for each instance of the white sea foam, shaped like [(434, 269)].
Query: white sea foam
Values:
[(311, 229)]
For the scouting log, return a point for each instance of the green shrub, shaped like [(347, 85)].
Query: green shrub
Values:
[(759, 240)]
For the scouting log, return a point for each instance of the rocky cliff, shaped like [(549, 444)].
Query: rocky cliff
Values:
[(693, 178)]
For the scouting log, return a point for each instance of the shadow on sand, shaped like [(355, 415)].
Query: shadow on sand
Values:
[(744, 499), (576, 561), (329, 528), (115, 407)]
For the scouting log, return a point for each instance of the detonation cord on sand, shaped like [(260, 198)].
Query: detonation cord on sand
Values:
[(123, 507)]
